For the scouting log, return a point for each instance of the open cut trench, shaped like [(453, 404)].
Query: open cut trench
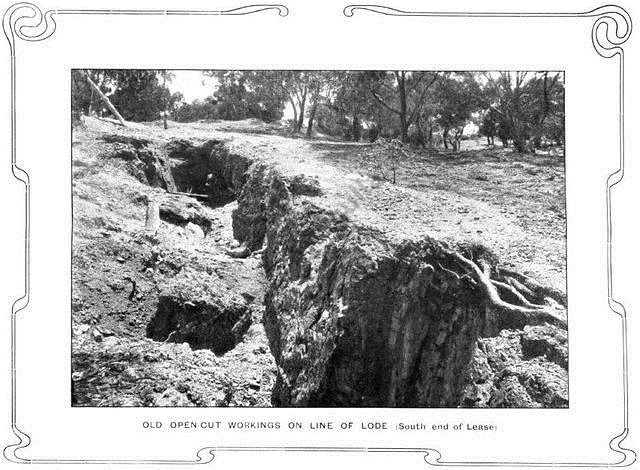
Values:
[(192, 306), (355, 318)]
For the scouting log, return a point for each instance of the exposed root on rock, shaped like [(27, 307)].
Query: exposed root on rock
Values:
[(532, 313)]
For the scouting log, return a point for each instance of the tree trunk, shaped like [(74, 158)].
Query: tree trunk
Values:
[(91, 102), (519, 141), (166, 104), (404, 125), (312, 116), (295, 114), (356, 128), (302, 106), (104, 98)]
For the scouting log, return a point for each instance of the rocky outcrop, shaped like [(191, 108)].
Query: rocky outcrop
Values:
[(358, 318), (519, 369)]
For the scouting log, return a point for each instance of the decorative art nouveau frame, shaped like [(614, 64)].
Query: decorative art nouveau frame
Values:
[(610, 30)]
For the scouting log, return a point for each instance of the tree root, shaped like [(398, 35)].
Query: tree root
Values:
[(524, 283), (532, 313)]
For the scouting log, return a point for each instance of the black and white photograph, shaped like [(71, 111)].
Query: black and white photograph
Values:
[(319, 234), (318, 238)]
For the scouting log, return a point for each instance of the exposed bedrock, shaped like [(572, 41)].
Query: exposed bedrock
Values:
[(356, 318)]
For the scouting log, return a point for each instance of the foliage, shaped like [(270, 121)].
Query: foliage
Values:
[(385, 158), (198, 110), (139, 95), (420, 108), (241, 96), (529, 107), (458, 95)]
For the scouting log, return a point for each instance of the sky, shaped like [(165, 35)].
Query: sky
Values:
[(192, 84)]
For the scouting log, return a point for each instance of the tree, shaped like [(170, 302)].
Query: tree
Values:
[(546, 102), (458, 95), (402, 93), (322, 85), (199, 109), (509, 96), (353, 101), (139, 95), (247, 94), (524, 102)]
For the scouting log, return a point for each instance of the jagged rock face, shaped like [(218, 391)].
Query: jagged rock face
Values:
[(145, 161), (359, 323), (354, 319)]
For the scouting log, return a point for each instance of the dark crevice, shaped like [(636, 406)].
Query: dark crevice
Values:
[(201, 324)]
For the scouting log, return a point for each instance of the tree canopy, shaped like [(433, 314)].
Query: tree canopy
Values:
[(421, 108)]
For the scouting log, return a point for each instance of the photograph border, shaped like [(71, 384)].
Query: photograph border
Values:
[(610, 30)]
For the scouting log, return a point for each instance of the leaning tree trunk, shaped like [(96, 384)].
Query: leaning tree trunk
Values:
[(295, 114), (106, 100)]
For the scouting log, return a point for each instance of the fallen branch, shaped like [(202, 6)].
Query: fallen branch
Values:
[(196, 195)]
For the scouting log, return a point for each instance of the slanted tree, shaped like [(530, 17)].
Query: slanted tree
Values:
[(104, 98)]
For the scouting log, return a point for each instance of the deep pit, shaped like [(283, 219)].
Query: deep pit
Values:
[(208, 171)]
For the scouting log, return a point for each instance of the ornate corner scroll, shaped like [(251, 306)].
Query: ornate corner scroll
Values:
[(611, 29), (26, 21)]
